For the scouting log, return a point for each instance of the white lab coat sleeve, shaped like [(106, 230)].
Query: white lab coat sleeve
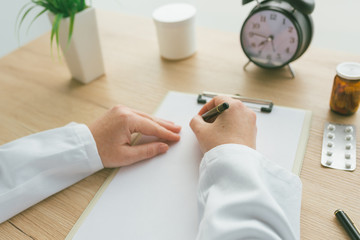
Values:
[(242, 195), (36, 166)]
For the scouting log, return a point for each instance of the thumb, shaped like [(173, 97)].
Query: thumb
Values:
[(196, 123), (144, 151)]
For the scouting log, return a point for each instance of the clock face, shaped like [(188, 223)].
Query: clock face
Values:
[(269, 38)]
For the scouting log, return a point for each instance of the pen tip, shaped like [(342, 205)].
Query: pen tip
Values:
[(225, 105)]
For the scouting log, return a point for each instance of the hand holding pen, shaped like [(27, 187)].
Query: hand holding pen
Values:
[(210, 115), (235, 125)]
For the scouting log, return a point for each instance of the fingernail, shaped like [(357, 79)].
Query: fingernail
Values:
[(163, 148)]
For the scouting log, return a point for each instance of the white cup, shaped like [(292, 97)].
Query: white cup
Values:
[(175, 25)]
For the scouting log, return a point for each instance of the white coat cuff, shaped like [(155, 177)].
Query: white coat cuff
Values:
[(88, 141)]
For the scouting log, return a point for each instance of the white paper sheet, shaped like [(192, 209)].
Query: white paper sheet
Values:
[(156, 199)]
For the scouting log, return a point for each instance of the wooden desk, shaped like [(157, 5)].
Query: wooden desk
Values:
[(37, 93)]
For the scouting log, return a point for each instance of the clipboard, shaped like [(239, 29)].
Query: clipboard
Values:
[(157, 198), (255, 104)]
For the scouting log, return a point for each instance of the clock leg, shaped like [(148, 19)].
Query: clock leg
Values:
[(289, 67), (291, 71), (246, 65)]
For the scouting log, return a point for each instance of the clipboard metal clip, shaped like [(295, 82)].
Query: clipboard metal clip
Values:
[(257, 104)]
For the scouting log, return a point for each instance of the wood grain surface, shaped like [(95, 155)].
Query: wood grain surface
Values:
[(37, 93)]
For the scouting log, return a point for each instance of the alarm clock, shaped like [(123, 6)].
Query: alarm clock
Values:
[(277, 32)]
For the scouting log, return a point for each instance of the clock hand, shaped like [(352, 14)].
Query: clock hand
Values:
[(270, 38), (260, 50), (257, 34), (262, 43), (273, 47)]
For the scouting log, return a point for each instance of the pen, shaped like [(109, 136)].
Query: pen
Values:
[(348, 225), (215, 111)]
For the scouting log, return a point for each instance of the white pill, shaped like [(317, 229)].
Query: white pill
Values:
[(329, 162), (331, 135), (348, 138), (330, 144), (329, 153), (348, 164), (348, 146), (347, 155), (331, 127), (348, 129)]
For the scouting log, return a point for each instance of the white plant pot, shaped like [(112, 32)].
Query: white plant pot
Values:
[(83, 54)]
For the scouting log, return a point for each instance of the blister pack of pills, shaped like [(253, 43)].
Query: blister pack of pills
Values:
[(339, 146)]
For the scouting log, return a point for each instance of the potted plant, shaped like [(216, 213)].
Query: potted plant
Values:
[(74, 28)]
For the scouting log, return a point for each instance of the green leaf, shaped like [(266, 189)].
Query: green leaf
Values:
[(25, 14), (40, 13), (17, 27), (55, 31), (19, 14), (71, 26), (60, 8), (82, 5)]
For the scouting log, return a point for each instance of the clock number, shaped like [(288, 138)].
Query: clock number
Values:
[(253, 45), (292, 40), (278, 56), (287, 50), (260, 51), (268, 57), (273, 16), (290, 29), (263, 19), (284, 21), (256, 26)]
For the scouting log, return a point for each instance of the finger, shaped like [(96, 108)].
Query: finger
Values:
[(165, 123), (169, 125), (145, 151), (208, 106), (215, 102), (196, 123), (151, 117), (142, 114), (151, 128)]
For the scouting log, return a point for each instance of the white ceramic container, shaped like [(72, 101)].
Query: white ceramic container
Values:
[(175, 25), (83, 54)]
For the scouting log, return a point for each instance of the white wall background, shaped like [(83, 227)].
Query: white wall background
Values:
[(337, 23)]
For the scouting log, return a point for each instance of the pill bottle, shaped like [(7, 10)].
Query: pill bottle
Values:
[(345, 95)]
